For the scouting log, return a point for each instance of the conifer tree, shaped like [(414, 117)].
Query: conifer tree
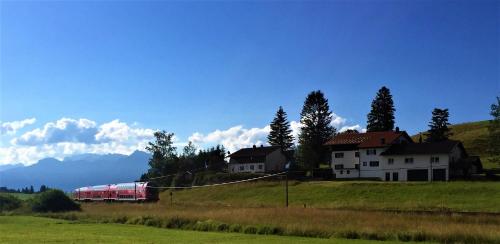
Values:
[(316, 119), (438, 127), (281, 134), (381, 116), (494, 132)]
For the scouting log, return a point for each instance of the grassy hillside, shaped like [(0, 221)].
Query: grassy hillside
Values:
[(61, 231), (474, 137), (453, 196)]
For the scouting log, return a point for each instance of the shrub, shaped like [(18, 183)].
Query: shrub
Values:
[(250, 230), (8, 202), (53, 201), (235, 228)]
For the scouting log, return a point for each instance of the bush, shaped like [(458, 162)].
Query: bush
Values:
[(9, 202), (53, 201)]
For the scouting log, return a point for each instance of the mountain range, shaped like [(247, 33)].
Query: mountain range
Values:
[(76, 171)]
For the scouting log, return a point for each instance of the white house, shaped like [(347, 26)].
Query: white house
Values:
[(257, 160), (393, 156), (357, 155)]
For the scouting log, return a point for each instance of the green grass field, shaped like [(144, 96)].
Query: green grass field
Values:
[(363, 195), (26, 229)]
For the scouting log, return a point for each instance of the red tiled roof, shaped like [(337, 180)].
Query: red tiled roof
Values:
[(368, 139)]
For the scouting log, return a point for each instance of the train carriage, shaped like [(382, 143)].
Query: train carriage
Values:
[(134, 191)]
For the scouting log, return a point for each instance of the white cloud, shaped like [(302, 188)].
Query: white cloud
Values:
[(233, 138), (63, 130), (10, 128), (238, 137), (120, 131), (67, 136)]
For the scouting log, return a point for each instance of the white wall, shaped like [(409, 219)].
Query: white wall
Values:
[(419, 162), (349, 162), (366, 170), (235, 168)]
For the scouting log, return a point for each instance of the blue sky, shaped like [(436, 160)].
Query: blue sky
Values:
[(200, 69)]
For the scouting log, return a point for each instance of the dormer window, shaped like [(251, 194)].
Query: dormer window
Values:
[(382, 141)]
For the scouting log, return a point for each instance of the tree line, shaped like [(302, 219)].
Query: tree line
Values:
[(26, 190), (316, 129)]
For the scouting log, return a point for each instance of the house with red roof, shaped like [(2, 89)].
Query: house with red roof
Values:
[(393, 156)]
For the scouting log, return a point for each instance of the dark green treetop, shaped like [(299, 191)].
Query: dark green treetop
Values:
[(281, 133), (381, 116)]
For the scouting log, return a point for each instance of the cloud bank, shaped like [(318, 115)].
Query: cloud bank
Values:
[(68, 136)]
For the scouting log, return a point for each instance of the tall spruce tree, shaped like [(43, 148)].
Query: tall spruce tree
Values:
[(381, 116), (316, 119), (281, 134), (438, 127), (494, 132)]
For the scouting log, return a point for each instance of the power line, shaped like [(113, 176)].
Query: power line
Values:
[(218, 184)]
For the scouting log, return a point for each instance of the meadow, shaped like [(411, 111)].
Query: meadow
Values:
[(462, 212), (14, 230)]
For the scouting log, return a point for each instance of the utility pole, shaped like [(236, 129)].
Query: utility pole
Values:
[(287, 167), (171, 198)]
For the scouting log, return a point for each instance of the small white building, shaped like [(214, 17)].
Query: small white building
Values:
[(257, 160), (393, 156)]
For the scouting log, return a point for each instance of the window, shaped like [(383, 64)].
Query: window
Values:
[(390, 161), (373, 163), (356, 154), (339, 166), (364, 163), (434, 159), (371, 152), (348, 171), (260, 166), (339, 155), (242, 167), (356, 166), (341, 172), (252, 167), (409, 160)]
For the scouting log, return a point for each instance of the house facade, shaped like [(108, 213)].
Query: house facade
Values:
[(393, 156), (257, 160)]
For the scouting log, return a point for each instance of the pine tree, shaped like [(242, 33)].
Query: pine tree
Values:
[(316, 119), (494, 132), (381, 116), (281, 134), (438, 127)]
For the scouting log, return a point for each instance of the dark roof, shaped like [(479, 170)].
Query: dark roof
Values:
[(254, 152), (443, 147), (368, 139)]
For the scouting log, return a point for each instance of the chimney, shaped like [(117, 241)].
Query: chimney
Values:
[(254, 147), (397, 129)]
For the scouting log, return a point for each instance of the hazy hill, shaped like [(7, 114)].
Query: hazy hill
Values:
[(474, 137), (77, 171)]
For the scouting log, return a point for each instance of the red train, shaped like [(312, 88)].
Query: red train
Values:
[(135, 191)]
